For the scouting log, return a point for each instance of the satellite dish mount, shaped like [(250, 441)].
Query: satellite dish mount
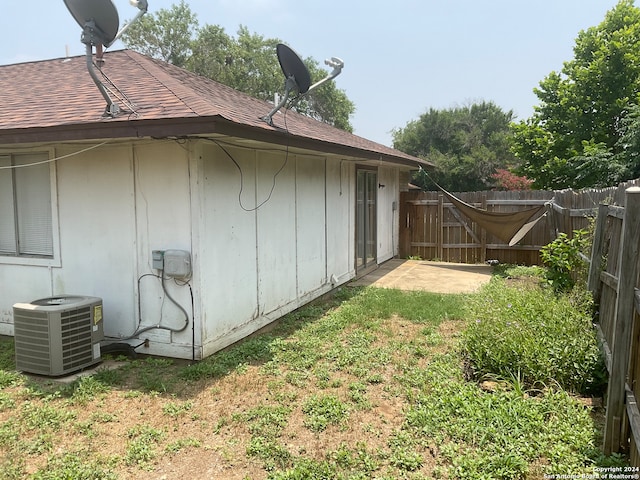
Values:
[(297, 76), (100, 28)]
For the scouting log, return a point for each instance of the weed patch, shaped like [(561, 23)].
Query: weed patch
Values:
[(531, 334), (141, 447), (75, 466), (86, 389), (182, 443), (7, 356), (476, 428), (322, 411), (176, 409), (357, 462), (307, 468)]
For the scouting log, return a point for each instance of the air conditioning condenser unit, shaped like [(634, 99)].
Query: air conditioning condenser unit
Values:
[(58, 335)]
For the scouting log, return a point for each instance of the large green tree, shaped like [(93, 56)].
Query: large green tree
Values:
[(165, 34), (467, 144), (246, 62), (581, 133)]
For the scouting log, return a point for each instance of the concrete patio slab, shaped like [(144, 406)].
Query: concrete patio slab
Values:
[(437, 277)]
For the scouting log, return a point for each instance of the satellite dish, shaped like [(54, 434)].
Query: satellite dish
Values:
[(297, 76), (293, 67), (100, 22), (98, 18)]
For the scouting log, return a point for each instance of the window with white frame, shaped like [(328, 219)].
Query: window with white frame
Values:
[(25, 205)]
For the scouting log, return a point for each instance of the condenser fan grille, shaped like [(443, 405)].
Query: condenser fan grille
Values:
[(33, 349), (76, 338)]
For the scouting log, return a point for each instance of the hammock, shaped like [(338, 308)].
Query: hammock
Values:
[(509, 227)]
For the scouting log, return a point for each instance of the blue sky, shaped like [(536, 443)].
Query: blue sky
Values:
[(401, 57)]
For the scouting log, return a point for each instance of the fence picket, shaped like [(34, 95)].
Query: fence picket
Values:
[(624, 315), (435, 231)]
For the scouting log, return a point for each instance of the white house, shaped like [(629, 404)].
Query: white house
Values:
[(271, 216)]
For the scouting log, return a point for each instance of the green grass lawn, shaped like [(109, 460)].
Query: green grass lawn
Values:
[(371, 383)]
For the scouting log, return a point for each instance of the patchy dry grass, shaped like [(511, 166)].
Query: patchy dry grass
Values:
[(368, 384)]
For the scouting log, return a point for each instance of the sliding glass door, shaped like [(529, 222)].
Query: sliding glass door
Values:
[(366, 209)]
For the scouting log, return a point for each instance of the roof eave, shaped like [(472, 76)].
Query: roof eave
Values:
[(172, 127)]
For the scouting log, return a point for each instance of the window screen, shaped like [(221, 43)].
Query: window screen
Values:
[(25, 206)]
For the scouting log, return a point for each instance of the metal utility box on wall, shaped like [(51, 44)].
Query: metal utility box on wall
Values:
[(157, 259), (177, 263), (174, 263), (58, 335)]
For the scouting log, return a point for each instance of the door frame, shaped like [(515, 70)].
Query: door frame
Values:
[(366, 231)]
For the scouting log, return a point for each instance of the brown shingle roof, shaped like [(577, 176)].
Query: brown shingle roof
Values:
[(57, 100)]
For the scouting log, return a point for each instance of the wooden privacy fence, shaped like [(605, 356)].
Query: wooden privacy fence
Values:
[(433, 229), (613, 280)]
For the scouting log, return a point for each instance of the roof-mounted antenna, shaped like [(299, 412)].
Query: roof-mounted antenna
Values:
[(297, 76), (100, 22)]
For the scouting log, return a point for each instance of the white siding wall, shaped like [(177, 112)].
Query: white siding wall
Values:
[(340, 220), (93, 206), (20, 283), (272, 260), (311, 227), (163, 222), (97, 235), (228, 253), (117, 203), (276, 231)]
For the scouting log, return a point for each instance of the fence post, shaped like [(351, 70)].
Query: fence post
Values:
[(440, 227), (483, 237), (624, 314), (593, 283)]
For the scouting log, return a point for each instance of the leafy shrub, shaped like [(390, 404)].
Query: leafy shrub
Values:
[(506, 180), (526, 334), (562, 258)]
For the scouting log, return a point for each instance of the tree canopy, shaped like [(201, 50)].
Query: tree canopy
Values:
[(246, 62), (583, 132), (467, 144)]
